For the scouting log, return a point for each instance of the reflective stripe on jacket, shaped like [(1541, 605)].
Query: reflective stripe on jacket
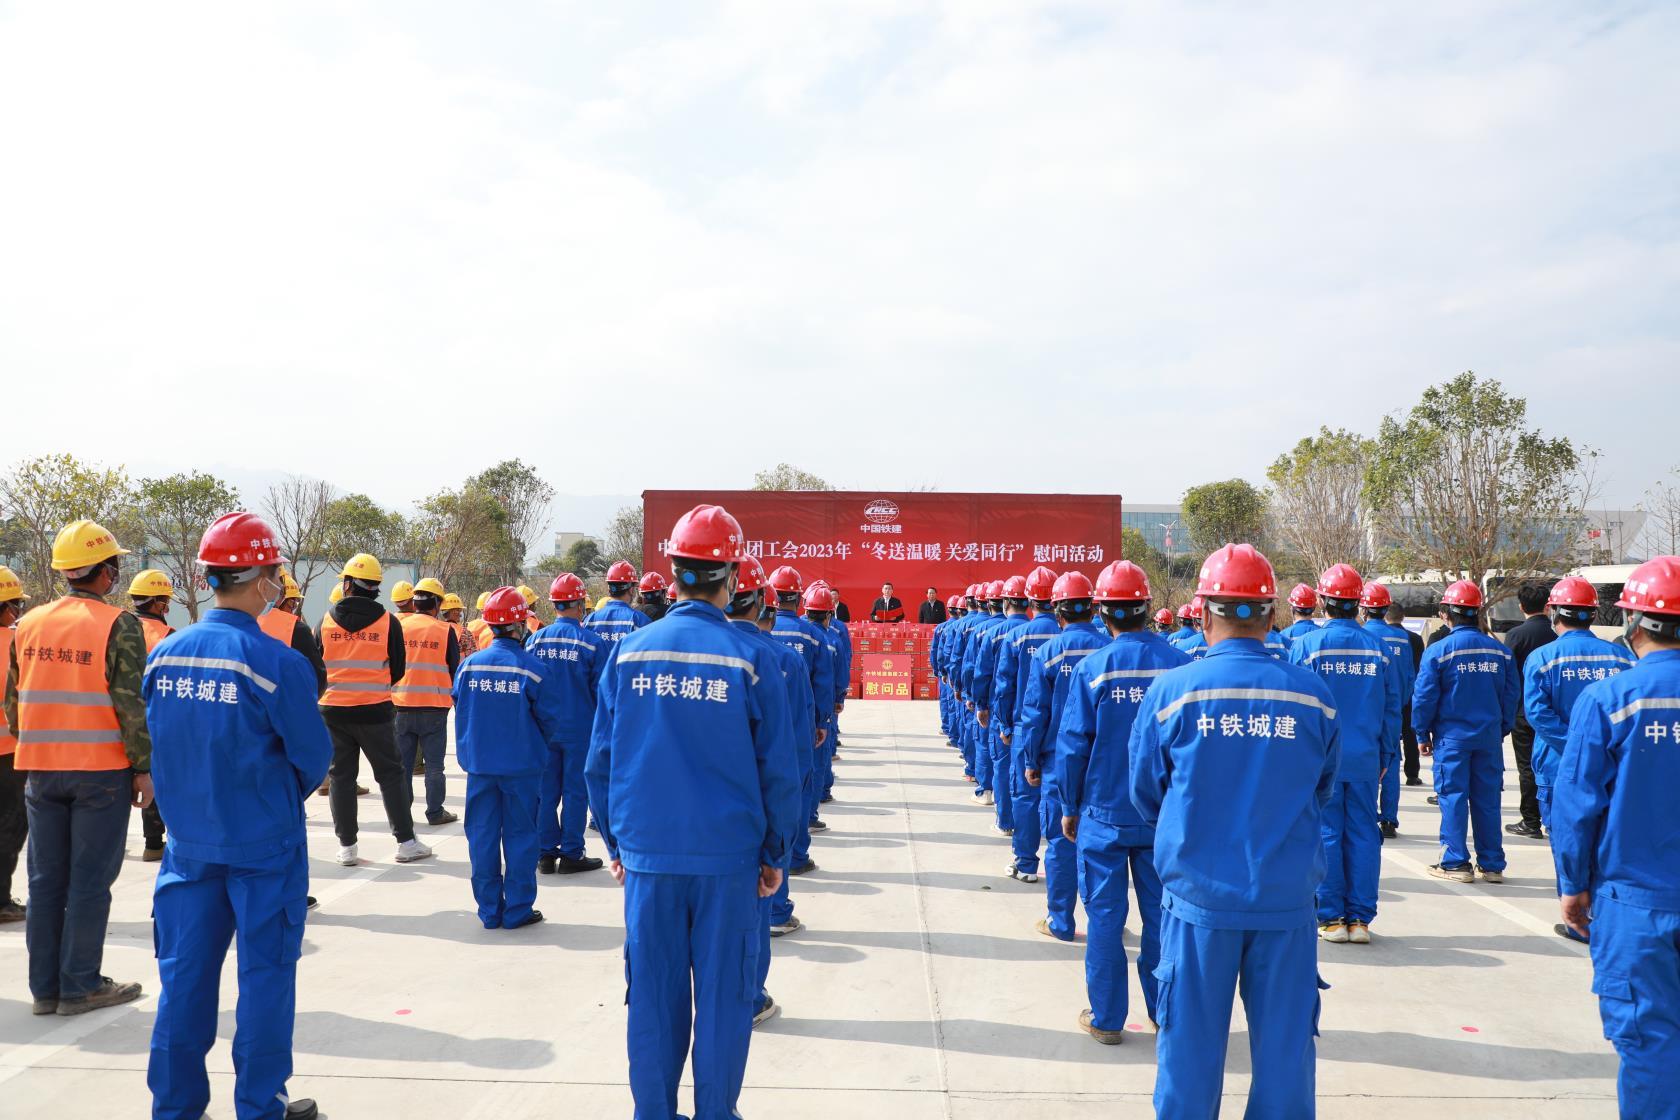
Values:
[(426, 683), (358, 671), (65, 717)]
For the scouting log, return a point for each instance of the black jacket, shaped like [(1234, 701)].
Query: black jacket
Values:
[(357, 613), (887, 610), (1524, 638), (930, 612)]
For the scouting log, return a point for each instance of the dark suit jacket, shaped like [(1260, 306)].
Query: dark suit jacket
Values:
[(887, 610), (930, 612), (843, 612)]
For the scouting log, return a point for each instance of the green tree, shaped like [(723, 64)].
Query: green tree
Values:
[(460, 536), (1461, 483), (356, 523), (177, 510), (584, 558), (623, 539), (525, 499), (1220, 513), (786, 476), (1317, 500), (40, 496), (1134, 547)]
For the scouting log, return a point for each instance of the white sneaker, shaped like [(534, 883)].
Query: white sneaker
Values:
[(410, 850), (1335, 932), (996, 831), (1022, 876), (347, 856), (987, 799), (792, 924), (1359, 933)]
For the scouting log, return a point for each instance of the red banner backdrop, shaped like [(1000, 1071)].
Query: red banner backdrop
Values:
[(858, 540)]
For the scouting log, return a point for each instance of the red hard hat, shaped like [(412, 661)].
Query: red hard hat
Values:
[(1464, 593), (749, 577), (1163, 617), (706, 533), (1303, 598), (818, 597), (566, 588), (1341, 581), (1654, 587), (1071, 585), (994, 589), (622, 571), (1186, 612), (1195, 607), (505, 607), (653, 582), (787, 581), (953, 602), (239, 540), (1375, 596), (1015, 587), (1237, 571), (1122, 581), (975, 591), (1573, 591), (1041, 583)]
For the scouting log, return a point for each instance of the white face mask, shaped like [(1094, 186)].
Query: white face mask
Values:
[(272, 602)]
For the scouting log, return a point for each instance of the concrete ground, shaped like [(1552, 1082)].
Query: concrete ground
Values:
[(918, 988)]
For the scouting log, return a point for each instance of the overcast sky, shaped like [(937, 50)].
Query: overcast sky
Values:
[(973, 245)]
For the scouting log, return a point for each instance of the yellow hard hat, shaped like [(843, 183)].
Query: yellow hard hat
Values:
[(483, 597), (151, 582), (363, 566), (529, 595), (82, 544), (452, 602), (11, 588), (430, 586), (293, 591), (602, 601), (401, 591), (337, 594)]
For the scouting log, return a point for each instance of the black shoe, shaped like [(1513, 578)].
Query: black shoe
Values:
[(1414, 781), (1523, 828), (826, 798), (1390, 830), (108, 994), (302, 1110), (593, 827), (818, 826), (531, 919), (309, 902), (570, 865), (802, 868), (13, 911), (1433, 800), (446, 817), (545, 865)]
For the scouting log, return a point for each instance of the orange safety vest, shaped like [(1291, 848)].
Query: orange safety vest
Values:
[(156, 630), (358, 668), (278, 624), (531, 624), (65, 717), (425, 683), (8, 741), (465, 638), (478, 628)]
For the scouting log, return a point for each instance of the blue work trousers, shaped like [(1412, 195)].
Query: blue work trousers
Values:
[(764, 923), (424, 733), (1199, 974), (977, 737), (802, 838), (565, 803), (1004, 779), (781, 903), (823, 776), (945, 701), (78, 825), (197, 910), (1061, 867), (965, 720), (691, 966), (1028, 828), (1389, 808), (501, 828), (1352, 854), (1636, 976), (1105, 857), (1468, 776)]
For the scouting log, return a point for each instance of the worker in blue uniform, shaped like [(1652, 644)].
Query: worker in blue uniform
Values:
[(1303, 605), (952, 658), (936, 654), (1374, 601), (509, 719), (1555, 676), (1034, 740), (572, 659), (819, 602), (1366, 685), (986, 662), (1093, 773), (1233, 759), (236, 863), (1617, 850), (1189, 622), (617, 619), (1196, 645), (693, 779), (1014, 663), (805, 640), (976, 643), (1464, 702)]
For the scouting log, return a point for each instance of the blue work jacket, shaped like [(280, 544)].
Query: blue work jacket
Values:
[(1366, 684), (808, 642), (1196, 646), (1009, 680), (1554, 677), (1040, 713), (237, 739), (691, 768), (616, 620), (1397, 643), (1466, 689), (1299, 629), (976, 640), (572, 660), (986, 657), (1093, 761), (1233, 760), (508, 712), (802, 709), (1613, 821)]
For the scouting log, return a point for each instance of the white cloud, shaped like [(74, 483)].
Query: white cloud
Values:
[(610, 243)]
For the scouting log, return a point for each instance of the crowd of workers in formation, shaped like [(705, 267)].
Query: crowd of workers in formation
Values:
[(1235, 779)]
